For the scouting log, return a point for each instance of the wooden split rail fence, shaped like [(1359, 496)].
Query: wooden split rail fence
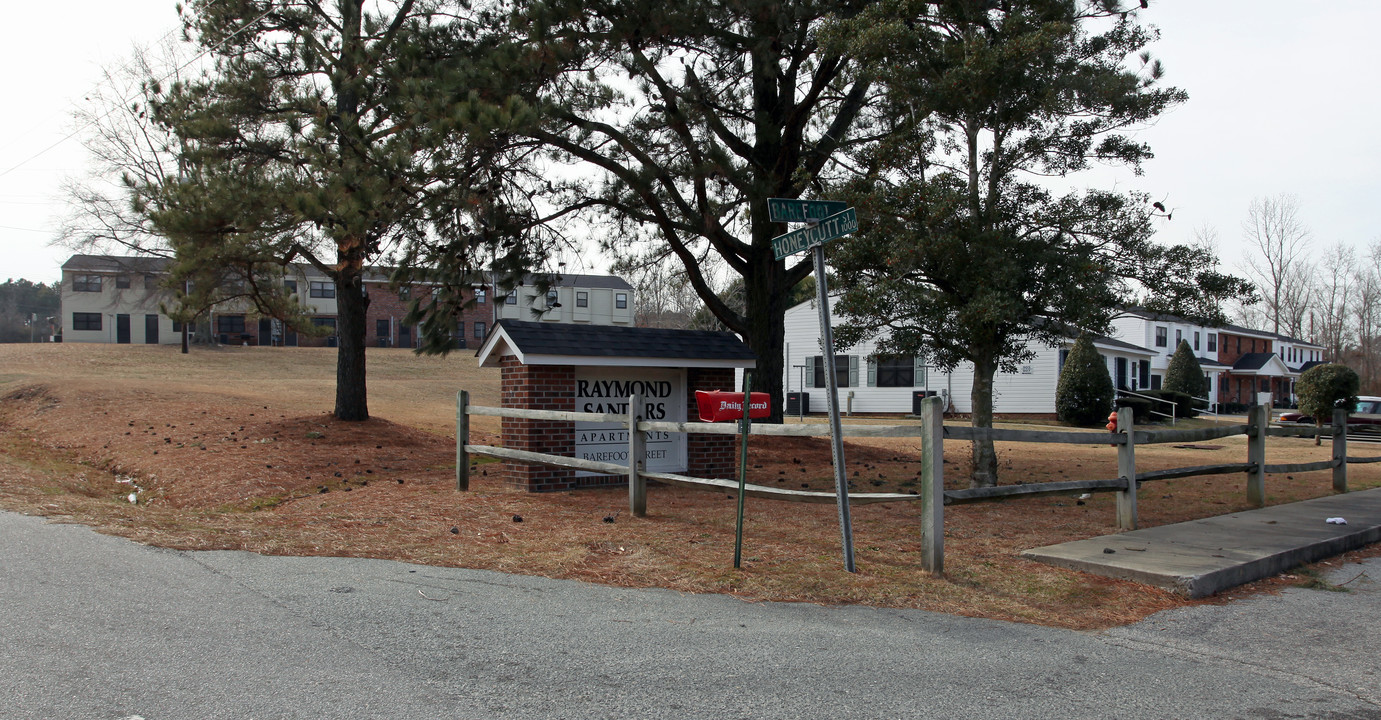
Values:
[(932, 496)]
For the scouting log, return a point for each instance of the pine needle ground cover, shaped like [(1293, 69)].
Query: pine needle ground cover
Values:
[(235, 449)]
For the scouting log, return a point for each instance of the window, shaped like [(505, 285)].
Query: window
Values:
[(1179, 337), (1064, 355), (122, 282), (841, 370), (323, 289), (290, 287), (479, 330), (86, 283), (1213, 342), (551, 299), (1155, 382), (621, 302), (230, 324), (1120, 373), (1265, 384), (896, 371), (480, 295), (381, 328), (324, 322), (511, 298), (1162, 335), (1239, 344), (150, 282), (1196, 341), (582, 300), (177, 326), (86, 321)]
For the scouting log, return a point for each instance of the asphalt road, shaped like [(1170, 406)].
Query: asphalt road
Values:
[(98, 627)]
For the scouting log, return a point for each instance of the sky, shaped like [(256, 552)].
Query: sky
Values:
[(1279, 103)]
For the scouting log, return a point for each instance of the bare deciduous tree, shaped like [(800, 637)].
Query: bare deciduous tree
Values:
[(1275, 231), (1333, 296), (126, 148)]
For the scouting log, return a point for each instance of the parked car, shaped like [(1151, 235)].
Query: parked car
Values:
[(1366, 412)]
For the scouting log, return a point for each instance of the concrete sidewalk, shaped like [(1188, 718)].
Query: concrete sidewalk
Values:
[(1202, 557)]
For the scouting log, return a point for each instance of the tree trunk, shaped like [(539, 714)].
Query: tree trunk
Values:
[(766, 336), (351, 304), (984, 455)]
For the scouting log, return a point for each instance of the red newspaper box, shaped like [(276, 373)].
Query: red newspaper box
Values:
[(717, 405)]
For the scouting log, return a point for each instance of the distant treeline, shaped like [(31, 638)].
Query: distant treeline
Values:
[(21, 302)]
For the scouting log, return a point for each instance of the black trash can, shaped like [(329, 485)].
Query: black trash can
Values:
[(794, 400)]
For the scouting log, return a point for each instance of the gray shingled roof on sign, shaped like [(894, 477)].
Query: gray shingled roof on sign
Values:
[(545, 338)]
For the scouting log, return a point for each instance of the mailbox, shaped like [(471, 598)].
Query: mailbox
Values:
[(717, 405)]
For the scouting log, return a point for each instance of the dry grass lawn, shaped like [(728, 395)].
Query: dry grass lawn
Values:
[(234, 448)]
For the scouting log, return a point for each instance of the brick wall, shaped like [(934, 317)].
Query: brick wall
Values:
[(710, 456), (1228, 352), (537, 387), (386, 304)]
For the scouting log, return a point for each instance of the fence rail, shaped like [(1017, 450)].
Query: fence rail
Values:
[(932, 431)]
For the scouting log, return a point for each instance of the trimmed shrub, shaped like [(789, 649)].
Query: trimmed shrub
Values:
[(1084, 394), (1185, 406), (1185, 375), (1141, 408), (1323, 387)]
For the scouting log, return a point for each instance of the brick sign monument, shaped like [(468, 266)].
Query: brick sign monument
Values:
[(595, 368)]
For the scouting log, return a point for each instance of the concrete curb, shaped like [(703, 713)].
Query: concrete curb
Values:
[(1204, 557)]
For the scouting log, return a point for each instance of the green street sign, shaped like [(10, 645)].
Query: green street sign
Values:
[(836, 225), (787, 210)]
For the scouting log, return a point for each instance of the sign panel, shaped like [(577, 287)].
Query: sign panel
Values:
[(836, 225), (788, 210), (606, 390), (717, 405)]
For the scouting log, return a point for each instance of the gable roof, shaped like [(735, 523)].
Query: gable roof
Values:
[(1262, 363), (547, 343)]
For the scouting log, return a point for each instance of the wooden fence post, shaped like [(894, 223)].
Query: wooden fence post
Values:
[(1340, 450), (462, 439), (1258, 418), (1126, 469), (933, 486), (637, 444)]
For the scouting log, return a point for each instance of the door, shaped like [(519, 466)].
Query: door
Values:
[(265, 332), (151, 329), (122, 329)]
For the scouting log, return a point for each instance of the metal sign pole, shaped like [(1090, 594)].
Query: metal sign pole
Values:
[(841, 482), (744, 425)]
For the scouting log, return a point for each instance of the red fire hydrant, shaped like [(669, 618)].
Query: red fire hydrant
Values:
[(1112, 422)]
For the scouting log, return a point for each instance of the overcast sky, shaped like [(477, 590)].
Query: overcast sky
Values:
[(1281, 100)]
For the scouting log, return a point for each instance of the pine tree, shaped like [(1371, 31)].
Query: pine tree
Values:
[(341, 135), (1084, 395), (963, 257), (691, 115)]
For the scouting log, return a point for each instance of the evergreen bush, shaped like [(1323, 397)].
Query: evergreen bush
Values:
[(1324, 387), (1085, 392), (1185, 375)]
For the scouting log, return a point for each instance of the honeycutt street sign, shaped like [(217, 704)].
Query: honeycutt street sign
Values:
[(799, 211), (836, 225)]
